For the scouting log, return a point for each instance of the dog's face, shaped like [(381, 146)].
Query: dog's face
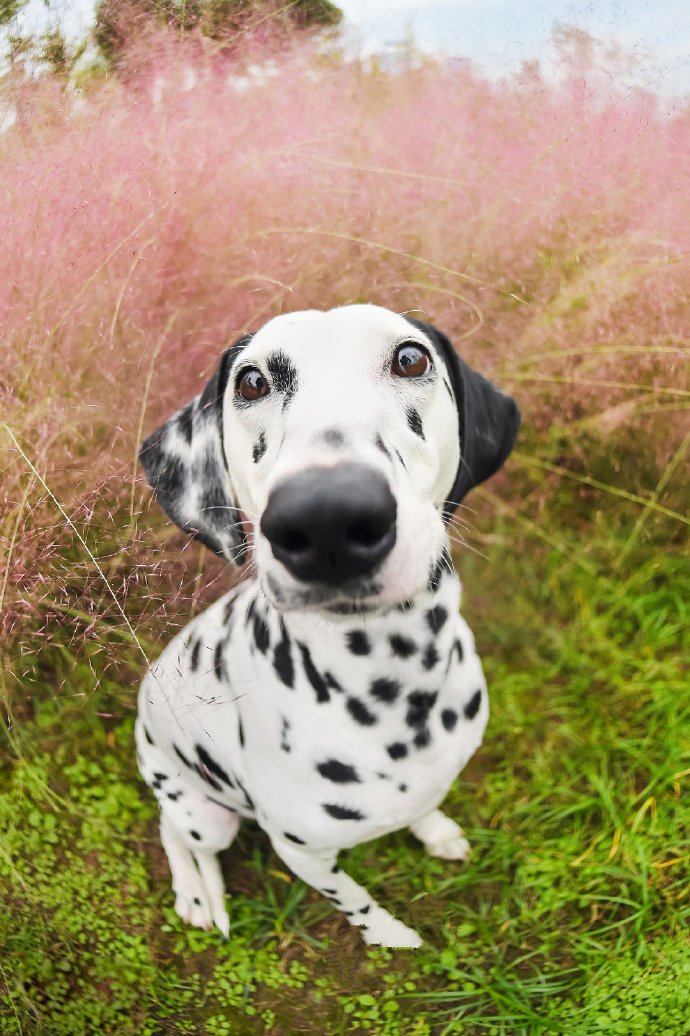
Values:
[(343, 438)]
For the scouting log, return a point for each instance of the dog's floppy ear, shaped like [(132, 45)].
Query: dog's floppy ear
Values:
[(184, 461), (488, 419)]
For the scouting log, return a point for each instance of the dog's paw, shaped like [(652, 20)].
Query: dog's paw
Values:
[(441, 836), (385, 930), (193, 911), (195, 907), (455, 848)]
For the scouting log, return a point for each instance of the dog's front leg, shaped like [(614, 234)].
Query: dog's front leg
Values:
[(319, 869)]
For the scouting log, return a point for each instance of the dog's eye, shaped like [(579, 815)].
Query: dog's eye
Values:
[(252, 385), (410, 361)]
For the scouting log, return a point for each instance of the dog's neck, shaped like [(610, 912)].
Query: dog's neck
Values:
[(421, 625)]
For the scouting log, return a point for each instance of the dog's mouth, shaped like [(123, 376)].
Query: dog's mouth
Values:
[(353, 598)]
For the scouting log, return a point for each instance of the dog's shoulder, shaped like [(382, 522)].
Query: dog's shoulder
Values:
[(195, 662)]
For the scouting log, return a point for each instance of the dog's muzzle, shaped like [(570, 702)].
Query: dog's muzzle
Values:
[(331, 524)]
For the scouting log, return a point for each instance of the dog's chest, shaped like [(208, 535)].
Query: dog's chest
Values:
[(361, 724), (334, 732)]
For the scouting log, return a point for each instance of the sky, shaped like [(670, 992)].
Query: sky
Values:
[(499, 34)]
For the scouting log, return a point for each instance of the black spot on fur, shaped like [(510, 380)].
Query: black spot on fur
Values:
[(399, 456), (339, 773), (332, 682), (457, 647), (313, 675), (197, 901), (430, 656), (342, 812), (283, 374), (194, 659), (282, 659), (148, 736), (259, 448), (218, 663), (169, 478), (293, 838), (284, 735), (212, 766), (183, 758), (403, 647), (436, 618), (414, 421), (185, 424), (247, 797), (385, 690), (262, 634), (214, 510), (397, 750), (222, 805), (160, 776), (358, 642), (240, 732), (449, 718), (422, 738), (365, 909), (360, 712), (174, 795), (402, 787), (333, 437), (228, 610), (472, 707), (329, 892), (420, 704), (195, 835), (382, 446), (335, 869)]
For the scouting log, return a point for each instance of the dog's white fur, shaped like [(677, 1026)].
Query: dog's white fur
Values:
[(329, 729)]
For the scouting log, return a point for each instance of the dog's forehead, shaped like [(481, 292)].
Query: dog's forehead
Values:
[(357, 331)]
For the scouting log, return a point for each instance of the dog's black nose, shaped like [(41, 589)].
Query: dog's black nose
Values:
[(331, 524)]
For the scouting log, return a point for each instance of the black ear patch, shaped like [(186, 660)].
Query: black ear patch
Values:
[(185, 464), (488, 419)]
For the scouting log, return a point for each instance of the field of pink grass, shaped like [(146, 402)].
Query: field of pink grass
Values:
[(149, 220)]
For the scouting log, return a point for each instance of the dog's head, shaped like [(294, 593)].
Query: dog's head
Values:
[(339, 443)]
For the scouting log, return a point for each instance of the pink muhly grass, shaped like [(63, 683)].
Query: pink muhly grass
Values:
[(546, 228)]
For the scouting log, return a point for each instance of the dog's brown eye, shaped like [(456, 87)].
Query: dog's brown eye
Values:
[(410, 361), (252, 385)]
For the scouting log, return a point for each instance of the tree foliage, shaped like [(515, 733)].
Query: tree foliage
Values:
[(221, 20), (10, 8)]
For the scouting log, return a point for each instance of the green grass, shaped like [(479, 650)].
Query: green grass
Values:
[(572, 914)]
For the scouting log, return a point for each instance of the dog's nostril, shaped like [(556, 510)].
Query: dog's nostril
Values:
[(292, 540), (365, 533)]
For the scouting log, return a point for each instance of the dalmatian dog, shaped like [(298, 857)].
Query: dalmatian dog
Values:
[(335, 694)]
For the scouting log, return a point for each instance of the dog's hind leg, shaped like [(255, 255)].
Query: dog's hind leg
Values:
[(193, 831), (319, 869), (441, 836)]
